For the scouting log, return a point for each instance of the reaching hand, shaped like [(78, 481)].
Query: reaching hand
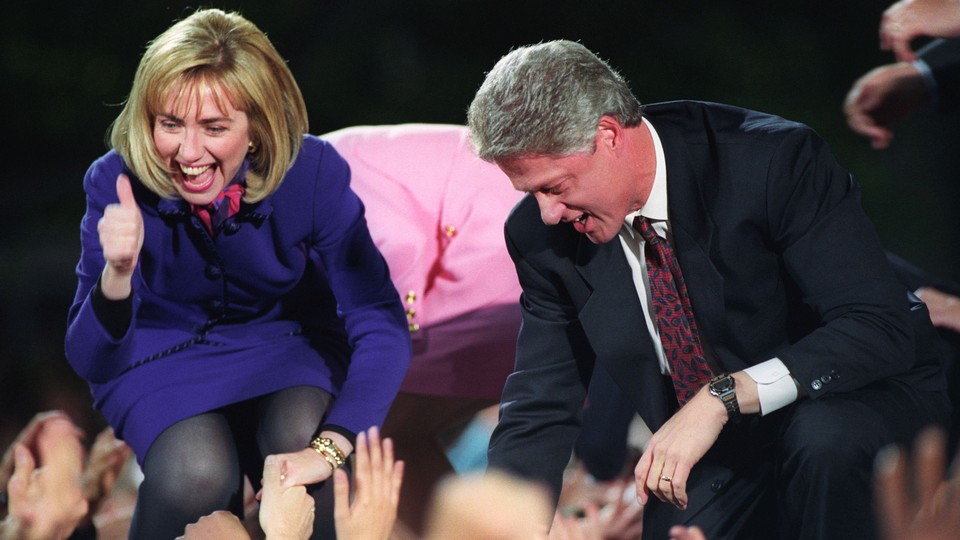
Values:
[(881, 98), (944, 308), (573, 528), (286, 512), (28, 438), (906, 20), (916, 503), (306, 467), (220, 525), (107, 458), (622, 517), (121, 237), (45, 499), (377, 480), (619, 518), (679, 532)]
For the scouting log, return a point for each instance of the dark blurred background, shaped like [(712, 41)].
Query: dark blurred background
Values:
[(65, 66)]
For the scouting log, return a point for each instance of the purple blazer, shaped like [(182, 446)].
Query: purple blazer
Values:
[(291, 292)]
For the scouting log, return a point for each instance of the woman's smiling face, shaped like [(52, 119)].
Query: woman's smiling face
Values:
[(203, 139)]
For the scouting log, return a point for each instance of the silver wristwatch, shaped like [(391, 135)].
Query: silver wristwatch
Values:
[(725, 387)]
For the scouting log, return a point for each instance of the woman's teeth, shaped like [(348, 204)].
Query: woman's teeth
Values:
[(198, 179), (193, 171)]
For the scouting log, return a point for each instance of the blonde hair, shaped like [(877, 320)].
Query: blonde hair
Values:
[(230, 56)]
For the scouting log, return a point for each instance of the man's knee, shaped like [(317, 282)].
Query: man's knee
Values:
[(832, 434)]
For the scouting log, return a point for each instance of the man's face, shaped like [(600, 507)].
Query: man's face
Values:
[(594, 192)]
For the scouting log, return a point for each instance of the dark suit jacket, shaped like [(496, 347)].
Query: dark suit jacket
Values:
[(943, 57), (779, 260)]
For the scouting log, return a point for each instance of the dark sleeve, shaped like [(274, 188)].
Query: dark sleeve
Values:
[(350, 436), (542, 399), (914, 277), (831, 251), (943, 57), (367, 301), (114, 315)]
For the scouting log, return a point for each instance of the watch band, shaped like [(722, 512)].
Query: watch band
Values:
[(725, 388)]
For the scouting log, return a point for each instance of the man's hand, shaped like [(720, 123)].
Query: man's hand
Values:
[(881, 98), (676, 447)]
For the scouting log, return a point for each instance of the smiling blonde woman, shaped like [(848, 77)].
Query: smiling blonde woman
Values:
[(231, 303)]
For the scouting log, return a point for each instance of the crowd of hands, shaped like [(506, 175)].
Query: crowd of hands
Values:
[(51, 485), (54, 486)]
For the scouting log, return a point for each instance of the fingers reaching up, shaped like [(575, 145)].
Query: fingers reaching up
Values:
[(377, 480)]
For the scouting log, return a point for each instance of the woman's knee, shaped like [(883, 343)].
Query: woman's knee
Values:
[(290, 418), (194, 462)]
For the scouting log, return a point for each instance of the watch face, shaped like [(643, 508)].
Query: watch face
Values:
[(723, 384)]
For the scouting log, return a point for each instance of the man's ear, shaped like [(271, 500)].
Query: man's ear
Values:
[(609, 133)]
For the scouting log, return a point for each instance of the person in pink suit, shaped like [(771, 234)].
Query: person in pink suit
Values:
[(436, 212)]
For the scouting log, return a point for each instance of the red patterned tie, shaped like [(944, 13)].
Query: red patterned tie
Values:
[(224, 206), (674, 315)]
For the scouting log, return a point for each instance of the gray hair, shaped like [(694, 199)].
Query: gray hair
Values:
[(547, 99)]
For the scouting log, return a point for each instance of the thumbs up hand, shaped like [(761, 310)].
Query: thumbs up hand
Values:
[(121, 237)]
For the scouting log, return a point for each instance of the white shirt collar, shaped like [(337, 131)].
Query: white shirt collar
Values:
[(656, 206)]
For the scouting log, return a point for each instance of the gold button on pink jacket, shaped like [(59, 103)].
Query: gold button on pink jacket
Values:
[(436, 212)]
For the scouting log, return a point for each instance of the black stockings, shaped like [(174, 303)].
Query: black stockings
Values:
[(197, 465)]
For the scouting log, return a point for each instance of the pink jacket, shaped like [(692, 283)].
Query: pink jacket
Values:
[(436, 212)]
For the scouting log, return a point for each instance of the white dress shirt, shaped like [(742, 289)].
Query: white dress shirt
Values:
[(775, 386)]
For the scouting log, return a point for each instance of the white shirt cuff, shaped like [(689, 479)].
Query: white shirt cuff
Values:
[(775, 387)]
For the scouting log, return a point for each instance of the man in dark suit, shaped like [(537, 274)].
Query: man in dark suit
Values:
[(784, 332)]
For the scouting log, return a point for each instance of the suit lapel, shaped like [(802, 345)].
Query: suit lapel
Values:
[(614, 324)]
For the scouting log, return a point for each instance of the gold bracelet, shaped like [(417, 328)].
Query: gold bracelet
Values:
[(329, 451)]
